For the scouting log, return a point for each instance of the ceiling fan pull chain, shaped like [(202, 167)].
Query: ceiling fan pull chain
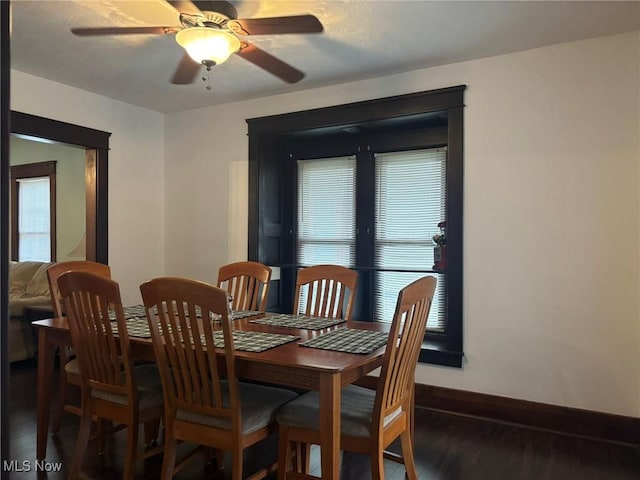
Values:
[(206, 78)]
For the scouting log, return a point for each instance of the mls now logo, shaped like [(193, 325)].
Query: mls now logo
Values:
[(29, 466)]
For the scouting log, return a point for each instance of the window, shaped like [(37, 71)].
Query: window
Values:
[(365, 185), (410, 202), (34, 219), (33, 211), (326, 211)]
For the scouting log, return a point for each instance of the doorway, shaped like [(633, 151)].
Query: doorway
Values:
[(96, 145)]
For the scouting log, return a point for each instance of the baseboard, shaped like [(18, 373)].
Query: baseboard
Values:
[(567, 420)]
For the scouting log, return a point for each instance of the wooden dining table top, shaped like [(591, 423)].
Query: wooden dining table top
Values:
[(291, 353)]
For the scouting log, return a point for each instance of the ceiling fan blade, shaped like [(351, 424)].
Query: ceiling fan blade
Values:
[(89, 31), (185, 6), (219, 6), (196, 7), (276, 25), (186, 71), (271, 64)]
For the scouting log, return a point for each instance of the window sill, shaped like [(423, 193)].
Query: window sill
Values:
[(435, 352)]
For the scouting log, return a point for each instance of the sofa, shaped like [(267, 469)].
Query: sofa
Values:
[(28, 286)]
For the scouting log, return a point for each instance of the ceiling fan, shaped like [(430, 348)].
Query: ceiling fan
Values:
[(209, 33)]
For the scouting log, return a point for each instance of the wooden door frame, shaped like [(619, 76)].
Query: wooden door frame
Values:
[(96, 144)]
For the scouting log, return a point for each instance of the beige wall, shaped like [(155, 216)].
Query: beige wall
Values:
[(70, 187), (552, 199)]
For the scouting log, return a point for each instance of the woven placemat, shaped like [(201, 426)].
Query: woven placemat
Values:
[(138, 311), (298, 321), (136, 327), (131, 313), (249, 341), (238, 314), (350, 340)]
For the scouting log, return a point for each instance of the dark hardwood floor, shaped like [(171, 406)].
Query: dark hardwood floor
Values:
[(447, 447)]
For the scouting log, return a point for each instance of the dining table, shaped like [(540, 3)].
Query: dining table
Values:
[(296, 363)]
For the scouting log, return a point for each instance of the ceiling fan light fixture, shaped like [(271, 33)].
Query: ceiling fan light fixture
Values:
[(208, 45)]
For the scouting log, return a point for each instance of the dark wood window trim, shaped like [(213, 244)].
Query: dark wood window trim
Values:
[(273, 138), (32, 170)]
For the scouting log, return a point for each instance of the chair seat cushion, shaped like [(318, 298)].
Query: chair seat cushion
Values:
[(149, 388), (356, 411), (258, 406)]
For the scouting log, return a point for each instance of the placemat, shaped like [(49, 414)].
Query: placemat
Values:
[(130, 313), (238, 314), (136, 327), (298, 321), (138, 311), (249, 341), (350, 340)]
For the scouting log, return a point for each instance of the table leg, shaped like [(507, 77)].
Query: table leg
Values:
[(45, 367), (330, 426)]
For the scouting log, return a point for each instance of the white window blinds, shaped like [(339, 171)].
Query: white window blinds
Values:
[(326, 211), (410, 202), (34, 219)]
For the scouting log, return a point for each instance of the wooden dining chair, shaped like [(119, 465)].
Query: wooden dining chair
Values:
[(111, 388), (321, 291), (370, 420), (248, 283), (202, 406), (69, 372)]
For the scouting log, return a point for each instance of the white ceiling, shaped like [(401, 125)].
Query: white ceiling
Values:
[(361, 39)]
